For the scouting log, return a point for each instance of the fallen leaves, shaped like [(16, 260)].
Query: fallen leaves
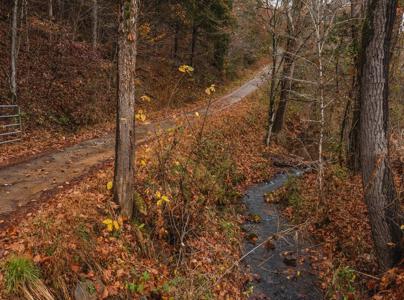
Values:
[(85, 232)]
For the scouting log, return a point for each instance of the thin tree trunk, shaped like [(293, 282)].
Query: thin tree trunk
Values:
[(95, 23), (271, 114), (50, 9), (272, 89), (353, 151), (13, 76), (193, 43), (379, 190), (287, 73), (176, 38), (60, 9), (322, 119), (279, 114), (289, 63), (342, 131), (125, 131), (337, 73)]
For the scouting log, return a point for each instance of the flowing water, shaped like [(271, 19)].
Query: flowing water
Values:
[(276, 251)]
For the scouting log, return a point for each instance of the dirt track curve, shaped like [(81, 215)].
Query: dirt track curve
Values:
[(24, 183)]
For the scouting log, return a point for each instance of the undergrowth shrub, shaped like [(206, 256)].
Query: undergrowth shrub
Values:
[(343, 284), (193, 176)]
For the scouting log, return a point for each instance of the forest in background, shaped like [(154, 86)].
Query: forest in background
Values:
[(66, 55)]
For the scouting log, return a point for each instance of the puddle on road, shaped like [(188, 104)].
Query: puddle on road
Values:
[(281, 266)]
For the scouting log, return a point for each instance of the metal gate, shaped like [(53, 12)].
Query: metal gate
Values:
[(10, 124)]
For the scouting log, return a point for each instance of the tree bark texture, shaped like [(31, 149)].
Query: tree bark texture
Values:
[(125, 131), (379, 190)]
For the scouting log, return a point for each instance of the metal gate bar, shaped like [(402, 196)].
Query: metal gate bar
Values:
[(10, 123)]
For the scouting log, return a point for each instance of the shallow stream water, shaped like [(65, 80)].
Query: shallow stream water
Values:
[(277, 256)]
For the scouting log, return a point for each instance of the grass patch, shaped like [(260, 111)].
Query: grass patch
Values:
[(19, 271)]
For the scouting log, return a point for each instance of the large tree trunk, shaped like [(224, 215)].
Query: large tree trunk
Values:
[(380, 194), (13, 75), (125, 131), (95, 23)]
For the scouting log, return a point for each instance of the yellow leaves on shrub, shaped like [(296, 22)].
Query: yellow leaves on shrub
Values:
[(145, 98), (210, 90), (140, 115), (113, 224), (143, 162), (197, 114), (110, 185), (109, 223), (161, 199), (186, 69)]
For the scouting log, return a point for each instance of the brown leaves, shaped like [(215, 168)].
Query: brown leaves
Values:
[(75, 268), (391, 285), (68, 238)]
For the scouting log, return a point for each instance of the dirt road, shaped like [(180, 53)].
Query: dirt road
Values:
[(24, 183)]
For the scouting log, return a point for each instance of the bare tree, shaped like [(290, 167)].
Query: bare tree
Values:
[(322, 14), (50, 9), (95, 23), (379, 190), (125, 130), (60, 5), (13, 76), (273, 22), (289, 56)]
